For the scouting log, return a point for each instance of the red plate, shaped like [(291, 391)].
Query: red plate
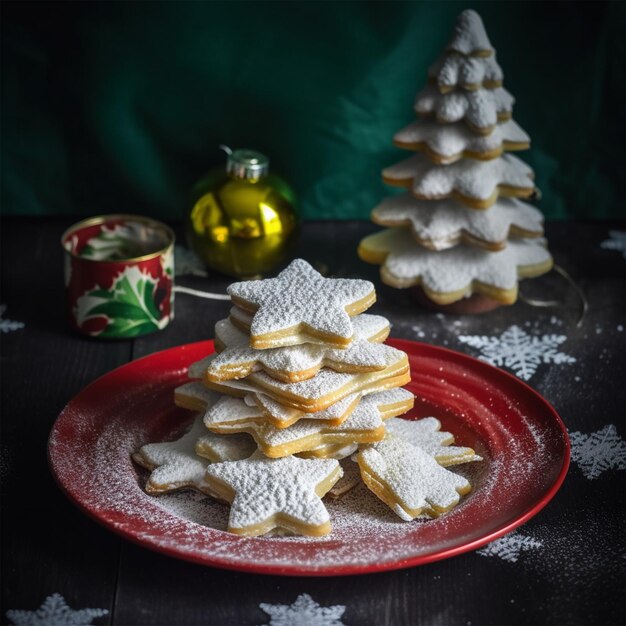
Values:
[(520, 436)]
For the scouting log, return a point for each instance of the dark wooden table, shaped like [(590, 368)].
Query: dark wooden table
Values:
[(565, 566)]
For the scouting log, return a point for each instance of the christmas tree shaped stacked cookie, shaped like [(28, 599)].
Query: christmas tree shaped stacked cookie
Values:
[(300, 381), (462, 232)]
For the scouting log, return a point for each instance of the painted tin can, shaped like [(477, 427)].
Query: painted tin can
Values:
[(119, 273)]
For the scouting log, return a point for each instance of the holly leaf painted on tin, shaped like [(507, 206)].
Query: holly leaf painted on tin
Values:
[(128, 307)]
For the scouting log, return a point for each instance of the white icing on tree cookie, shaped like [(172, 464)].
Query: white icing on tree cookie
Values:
[(448, 143), (478, 183), (481, 109), (460, 270), (408, 479), (452, 70), (442, 224), (275, 493), (294, 363), (469, 36), (425, 433), (301, 299)]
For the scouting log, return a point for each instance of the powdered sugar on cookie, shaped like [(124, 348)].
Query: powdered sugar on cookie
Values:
[(473, 182), (276, 493), (442, 224), (294, 363), (452, 70), (300, 299), (469, 36), (481, 109), (456, 269), (408, 479), (451, 142)]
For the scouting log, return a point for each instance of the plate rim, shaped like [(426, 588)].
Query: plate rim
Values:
[(331, 570)]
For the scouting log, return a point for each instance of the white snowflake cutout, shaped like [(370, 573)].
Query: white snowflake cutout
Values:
[(509, 547), (598, 452), (188, 263), (519, 351), (617, 241), (55, 612), (7, 326), (303, 612)]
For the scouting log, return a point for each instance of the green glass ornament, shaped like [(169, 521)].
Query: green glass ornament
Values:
[(242, 220)]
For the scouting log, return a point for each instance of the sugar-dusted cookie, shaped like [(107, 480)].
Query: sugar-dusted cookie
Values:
[(326, 388), (217, 448), (452, 274), (174, 464), (275, 493), (442, 224), (447, 143), (457, 70), (426, 434), (481, 110), (300, 303), (236, 359), (364, 425), (476, 184), (408, 479), (195, 396), (469, 36)]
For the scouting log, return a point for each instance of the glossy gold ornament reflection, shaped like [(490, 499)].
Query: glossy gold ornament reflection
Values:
[(242, 221)]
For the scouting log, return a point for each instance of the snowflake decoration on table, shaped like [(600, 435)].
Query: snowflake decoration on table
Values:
[(6, 326), (187, 263), (55, 612), (509, 547), (303, 612), (617, 241), (598, 452), (518, 350)]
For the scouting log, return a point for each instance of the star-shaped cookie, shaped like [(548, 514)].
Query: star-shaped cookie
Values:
[(426, 434), (476, 184), (447, 143), (175, 464), (236, 359), (299, 303), (408, 479), (452, 274), (275, 493), (442, 224), (364, 425), (481, 110), (326, 388)]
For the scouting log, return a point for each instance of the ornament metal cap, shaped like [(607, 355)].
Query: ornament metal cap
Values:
[(246, 164)]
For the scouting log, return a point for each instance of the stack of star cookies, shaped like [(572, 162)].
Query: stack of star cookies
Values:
[(300, 382), (462, 229)]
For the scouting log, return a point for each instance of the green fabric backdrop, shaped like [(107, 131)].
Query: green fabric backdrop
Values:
[(121, 106)]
